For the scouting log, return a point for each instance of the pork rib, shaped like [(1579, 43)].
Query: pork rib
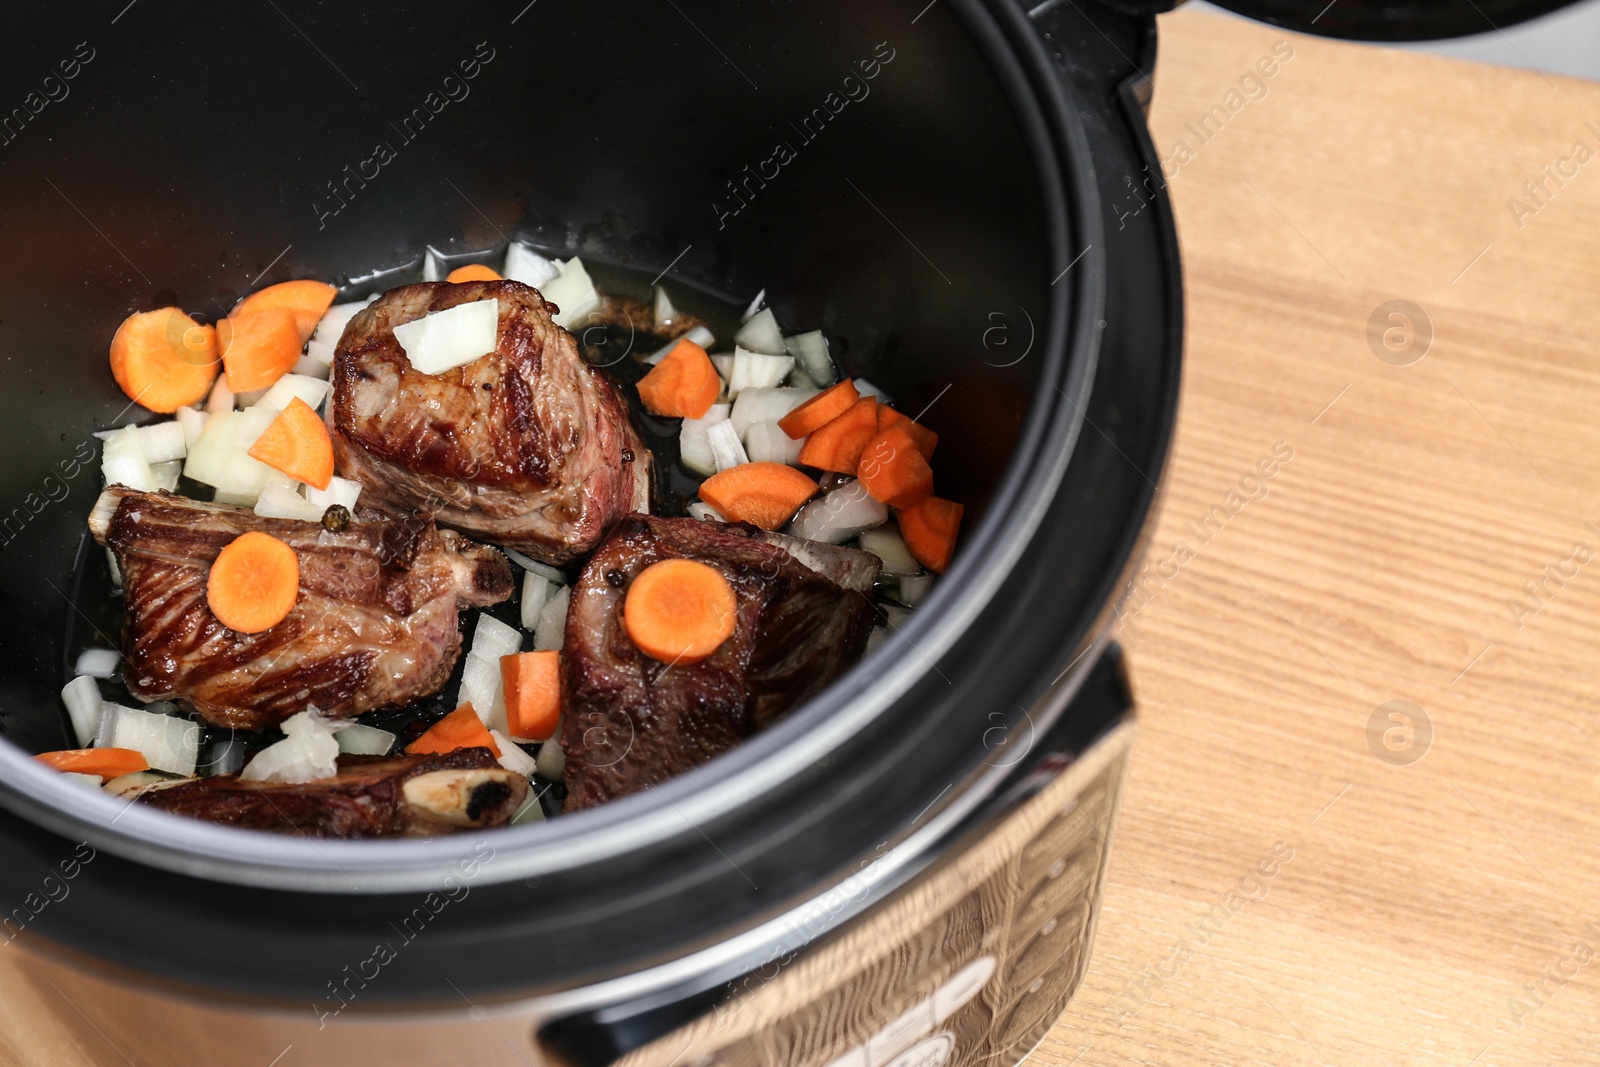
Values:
[(629, 721), (375, 625), (527, 446), (372, 796)]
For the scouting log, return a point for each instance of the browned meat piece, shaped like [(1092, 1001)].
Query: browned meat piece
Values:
[(373, 796), (629, 722), (528, 446), (375, 625)]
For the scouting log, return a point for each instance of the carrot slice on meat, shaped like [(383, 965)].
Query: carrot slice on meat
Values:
[(258, 347), (254, 583), (683, 385), (473, 272), (106, 762), (297, 443), (893, 469), (837, 446), (925, 438), (305, 299), (460, 729), (763, 494), (680, 610), (164, 360), (929, 528), (820, 410), (533, 694)]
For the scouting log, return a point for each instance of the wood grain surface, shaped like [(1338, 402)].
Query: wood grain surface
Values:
[(1434, 908)]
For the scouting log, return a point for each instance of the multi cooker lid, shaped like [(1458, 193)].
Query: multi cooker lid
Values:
[(1393, 20)]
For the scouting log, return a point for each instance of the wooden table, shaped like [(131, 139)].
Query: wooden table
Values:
[(1387, 560)]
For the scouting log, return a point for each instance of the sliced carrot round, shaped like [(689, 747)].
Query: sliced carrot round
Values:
[(683, 385), (297, 443), (258, 347), (764, 494), (164, 360), (680, 610), (473, 272), (820, 410), (929, 528), (254, 583), (106, 762), (460, 729), (305, 299), (893, 470), (837, 445)]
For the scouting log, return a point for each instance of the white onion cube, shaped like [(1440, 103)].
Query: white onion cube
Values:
[(753, 370), (285, 389), (525, 265), (84, 708), (493, 639), (360, 740), (451, 338), (761, 334), (340, 491), (551, 632), (167, 742), (726, 448), (573, 293), (536, 590), (767, 443)]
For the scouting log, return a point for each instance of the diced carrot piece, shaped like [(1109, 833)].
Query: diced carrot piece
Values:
[(820, 410), (460, 729), (893, 470), (533, 694), (837, 445), (683, 385), (925, 438), (680, 610), (473, 272), (254, 583), (106, 762), (929, 527), (763, 494), (164, 360), (258, 347), (297, 443), (305, 299)]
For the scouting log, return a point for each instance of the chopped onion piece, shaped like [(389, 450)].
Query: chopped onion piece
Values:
[(309, 751), (555, 574), (913, 588), (167, 742), (699, 335), (85, 707), (281, 502), (763, 405), (886, 543), (865, 388), (664, 311), (573, 293), (192, 421), (842, 514), (454, 337), (552, 759), (165, 475), (752, 370), (481, 687), (97, 663), (513, 758), (163, 442), (767, 443), (330, 328), (525, 265), (309, 366), (91, 781), (536, 590), (726, 447), (250, 399), (705, 512), (755, 305), (551, 632), (360, 740), (810, 351), (221, 397), (432, 266), (340, 491), (122, 460), (761, 334), (221, 458), (723, 361), (285, 389), (129, 782), (493, 639), (694, 442)]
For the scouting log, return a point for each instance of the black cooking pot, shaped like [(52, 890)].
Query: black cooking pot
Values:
[(963, 197)]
